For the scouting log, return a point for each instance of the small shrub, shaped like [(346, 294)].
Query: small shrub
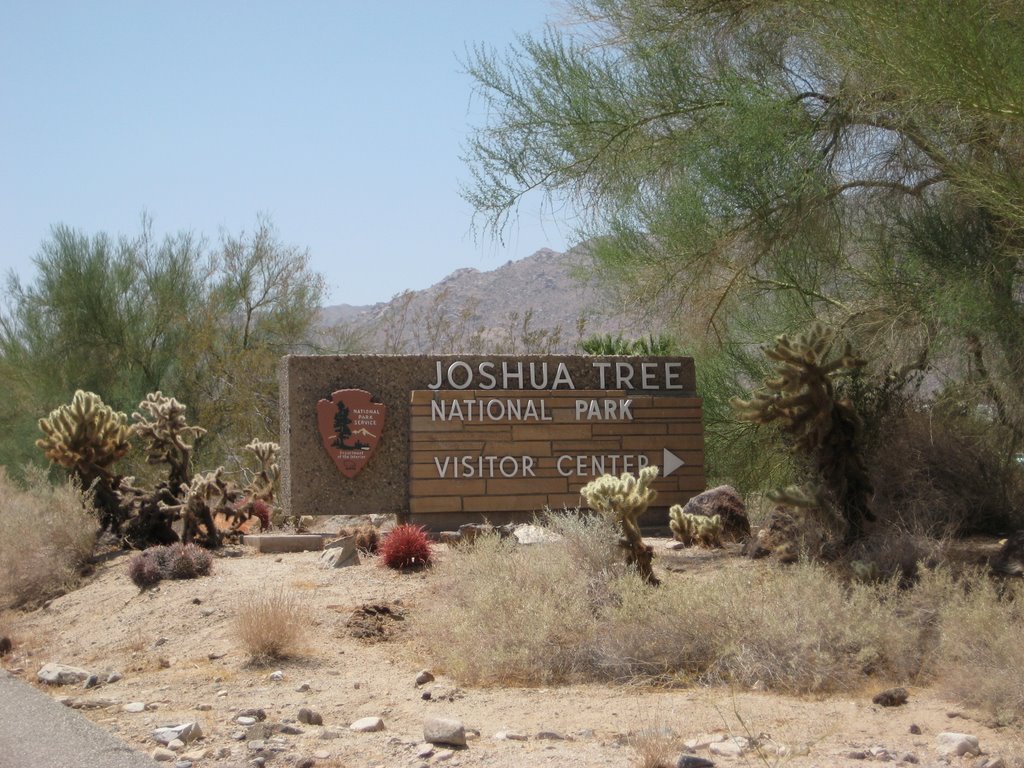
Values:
[(271, 625), (406, 546), (47, 534), (980, 654), (174, 561)]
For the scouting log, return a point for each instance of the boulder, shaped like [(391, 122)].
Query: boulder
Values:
[(725, 502), (444, 730), (61, 674), (957, 744)]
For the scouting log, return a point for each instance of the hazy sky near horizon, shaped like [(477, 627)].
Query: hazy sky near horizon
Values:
[(343, 121)]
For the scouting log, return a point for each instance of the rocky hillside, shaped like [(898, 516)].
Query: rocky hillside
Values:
[(541, 303)]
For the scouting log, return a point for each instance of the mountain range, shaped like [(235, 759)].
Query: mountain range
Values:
[(544, 303)]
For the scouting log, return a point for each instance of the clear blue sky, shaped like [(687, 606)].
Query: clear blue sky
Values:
[(341, 120)]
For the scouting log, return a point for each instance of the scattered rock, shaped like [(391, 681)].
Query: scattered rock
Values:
[(91, 681), (510, 736), (243, 720), (732, 746), (113, 677), (302, 688), (915, 729), (725, 502), (857, 754), (61, 674), (692, 761), (675, 545), (534, 534), (277, 676), (340, 553), (176, 745), (183, 764), (5, 645), (287, 728), (310, 717), (322, 754), (259, 714), (957, 744), (196, 754), (163, 755), (425, 751), (892, 697), (990, 762), (134, 706), (549, 736), (204, 707), (443, 730), (367, 725), (1010, 559), (424, 677), (910, 758), (186, 732)]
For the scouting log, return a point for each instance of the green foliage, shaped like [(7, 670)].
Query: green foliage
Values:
[(802, 401), (662, 344), (123, 317), (699, 530), (747, 167), (623, 500)]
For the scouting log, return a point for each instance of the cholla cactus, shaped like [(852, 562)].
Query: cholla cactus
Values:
[(261, 487), (86, 438), (623, 500), (826, 429), (702, 530), (167, 432), (208, 495)]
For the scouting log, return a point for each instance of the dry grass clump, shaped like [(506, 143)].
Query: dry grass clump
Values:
[(565, 612), (980, 653), (271, 625), (47, 534)]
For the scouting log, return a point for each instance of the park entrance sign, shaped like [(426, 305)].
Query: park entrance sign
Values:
[(457, 439)]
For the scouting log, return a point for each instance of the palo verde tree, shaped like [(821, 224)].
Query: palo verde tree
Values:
[(757, 164), (122, 317)]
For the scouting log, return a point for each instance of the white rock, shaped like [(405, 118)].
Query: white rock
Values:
[(674, 545), (425, 751), (277, 676), (957, 744), (134, 706), (534, 534), (321, 754), (367, 725), (704, 741), (510, 736), (186, 732), (443, 730), (176, 745), (443, 755), (733, 746), (61, 674)]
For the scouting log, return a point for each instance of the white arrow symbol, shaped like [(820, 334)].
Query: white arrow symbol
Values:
[(670, 462)]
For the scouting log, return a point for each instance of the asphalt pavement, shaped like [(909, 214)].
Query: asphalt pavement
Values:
[(38, 732)]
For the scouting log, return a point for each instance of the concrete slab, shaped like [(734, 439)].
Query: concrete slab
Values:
[(277, 543)]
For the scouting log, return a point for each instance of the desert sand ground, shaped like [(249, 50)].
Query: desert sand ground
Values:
[(175, 650)]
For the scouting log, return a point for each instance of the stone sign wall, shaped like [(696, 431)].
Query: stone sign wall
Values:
[(472, 437)]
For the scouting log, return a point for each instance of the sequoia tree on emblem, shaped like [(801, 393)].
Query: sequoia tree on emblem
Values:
[(351, 423)]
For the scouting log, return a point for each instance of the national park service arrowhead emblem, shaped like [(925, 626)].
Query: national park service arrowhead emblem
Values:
[(351, 423)]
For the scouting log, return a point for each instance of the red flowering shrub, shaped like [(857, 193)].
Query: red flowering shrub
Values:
[(406, 546)]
